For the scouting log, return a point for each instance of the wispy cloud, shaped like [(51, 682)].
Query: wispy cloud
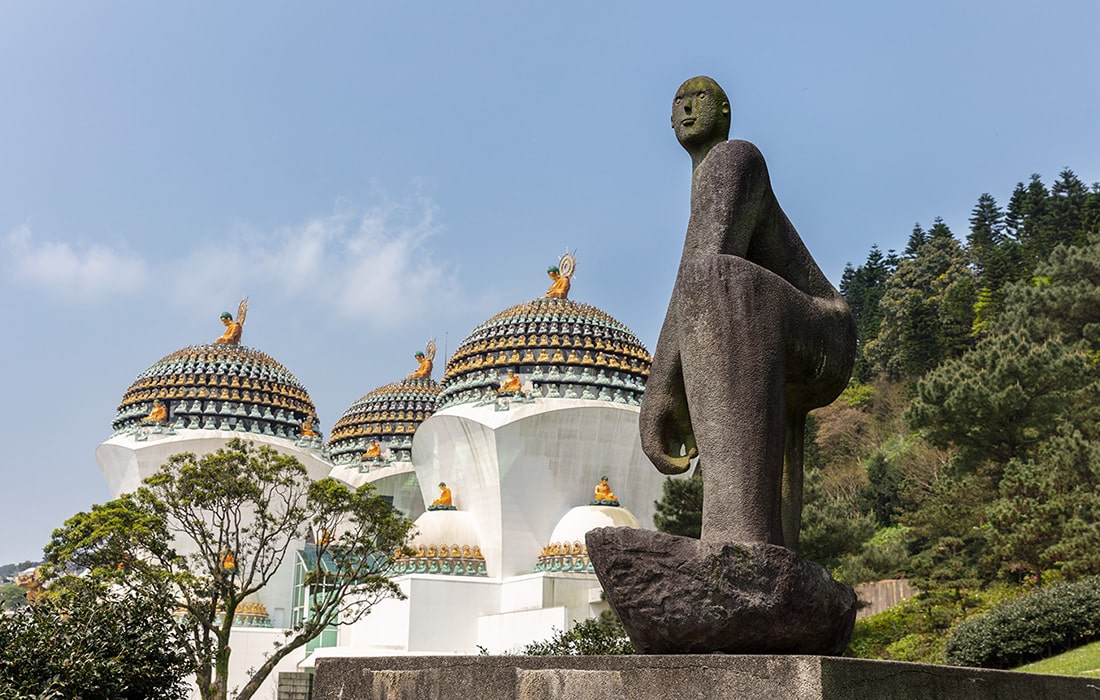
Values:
[(64, 270), (373, 265)]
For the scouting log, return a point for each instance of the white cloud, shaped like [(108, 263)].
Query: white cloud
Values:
[(75, 272), (373, 266)]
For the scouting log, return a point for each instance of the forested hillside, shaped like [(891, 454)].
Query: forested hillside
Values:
[(964, 452)]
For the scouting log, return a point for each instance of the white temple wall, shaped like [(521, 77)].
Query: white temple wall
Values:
[(520, 471)]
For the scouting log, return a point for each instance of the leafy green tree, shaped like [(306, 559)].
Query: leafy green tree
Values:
[(881, 496), (235, 514), (927, 309), (1064, 219), (85, 640), (834, 526), (680, 510), (863, 288), (12, 597), (916, 239), (1047, 510), (1001, 399)]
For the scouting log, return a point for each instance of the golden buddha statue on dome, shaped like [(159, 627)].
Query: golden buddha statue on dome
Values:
[(426, 358), (510, 385), (374, 450), (306, 428), (603, 493), (561, 274), (233, 328), (159, 414)]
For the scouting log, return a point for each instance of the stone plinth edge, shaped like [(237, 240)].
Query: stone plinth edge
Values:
[(700, 677)]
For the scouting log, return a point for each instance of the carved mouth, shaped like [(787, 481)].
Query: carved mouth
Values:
[(687, 122)]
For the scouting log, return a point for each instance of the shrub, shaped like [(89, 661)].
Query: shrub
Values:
[(1043, 623), (917, 629), (598, 636)]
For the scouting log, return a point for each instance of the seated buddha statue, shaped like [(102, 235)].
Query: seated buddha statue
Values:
[(306, 429), (444, 496), (511, 384), (374, 450), (424, 371), (232, 335), (560, 287), (603, 491), (159, 414)]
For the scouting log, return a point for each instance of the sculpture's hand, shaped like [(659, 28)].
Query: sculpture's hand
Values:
[(665, 423)]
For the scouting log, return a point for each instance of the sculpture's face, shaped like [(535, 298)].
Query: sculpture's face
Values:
[(700, 113)]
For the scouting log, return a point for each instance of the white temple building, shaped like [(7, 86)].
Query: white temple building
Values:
[(529, 440)]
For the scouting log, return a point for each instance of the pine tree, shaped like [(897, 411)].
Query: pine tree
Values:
[(1064, 218), (916, 239), (680, 510)]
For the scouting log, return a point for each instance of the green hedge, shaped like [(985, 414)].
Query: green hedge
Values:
[(1043, 623)]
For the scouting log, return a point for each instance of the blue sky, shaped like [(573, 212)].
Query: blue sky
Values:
[(373, 175)]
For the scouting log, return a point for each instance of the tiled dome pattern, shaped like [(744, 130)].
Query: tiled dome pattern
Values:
[(565, 349), (224, 387), (389, 415)]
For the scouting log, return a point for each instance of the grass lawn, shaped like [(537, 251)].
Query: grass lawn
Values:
[(1082, 661)]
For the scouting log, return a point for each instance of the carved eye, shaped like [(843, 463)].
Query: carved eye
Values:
[(701, 95)]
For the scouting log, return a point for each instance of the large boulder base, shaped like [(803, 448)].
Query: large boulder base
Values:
[(677, 595)]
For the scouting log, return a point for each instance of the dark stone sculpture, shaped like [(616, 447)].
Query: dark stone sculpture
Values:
[(754, 338)]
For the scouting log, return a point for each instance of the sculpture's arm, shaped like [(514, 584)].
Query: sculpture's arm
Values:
[(665, 423), (731, 197)]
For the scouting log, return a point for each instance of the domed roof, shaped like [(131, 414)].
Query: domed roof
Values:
[(220, 386), (559, 348), (567, 550), (389, 415), (443, 542)]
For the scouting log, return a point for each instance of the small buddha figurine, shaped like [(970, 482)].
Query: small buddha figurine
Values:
[(444, 499), (306, 428), (603, 491), (159, 414), (511, 384), (374, 450)]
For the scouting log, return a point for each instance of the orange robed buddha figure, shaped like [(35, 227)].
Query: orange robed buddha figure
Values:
[(306, 428), (603, 491), (374, 450), (424, 371), (511, 384), (232, 335), (159, 414), (444, 496), (560, 288)]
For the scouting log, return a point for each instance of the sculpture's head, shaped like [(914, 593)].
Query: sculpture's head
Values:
[(700, 115), (226, 317), (553, 271), (419, 355)]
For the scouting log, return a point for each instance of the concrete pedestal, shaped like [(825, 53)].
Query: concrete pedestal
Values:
[(694, 677)]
